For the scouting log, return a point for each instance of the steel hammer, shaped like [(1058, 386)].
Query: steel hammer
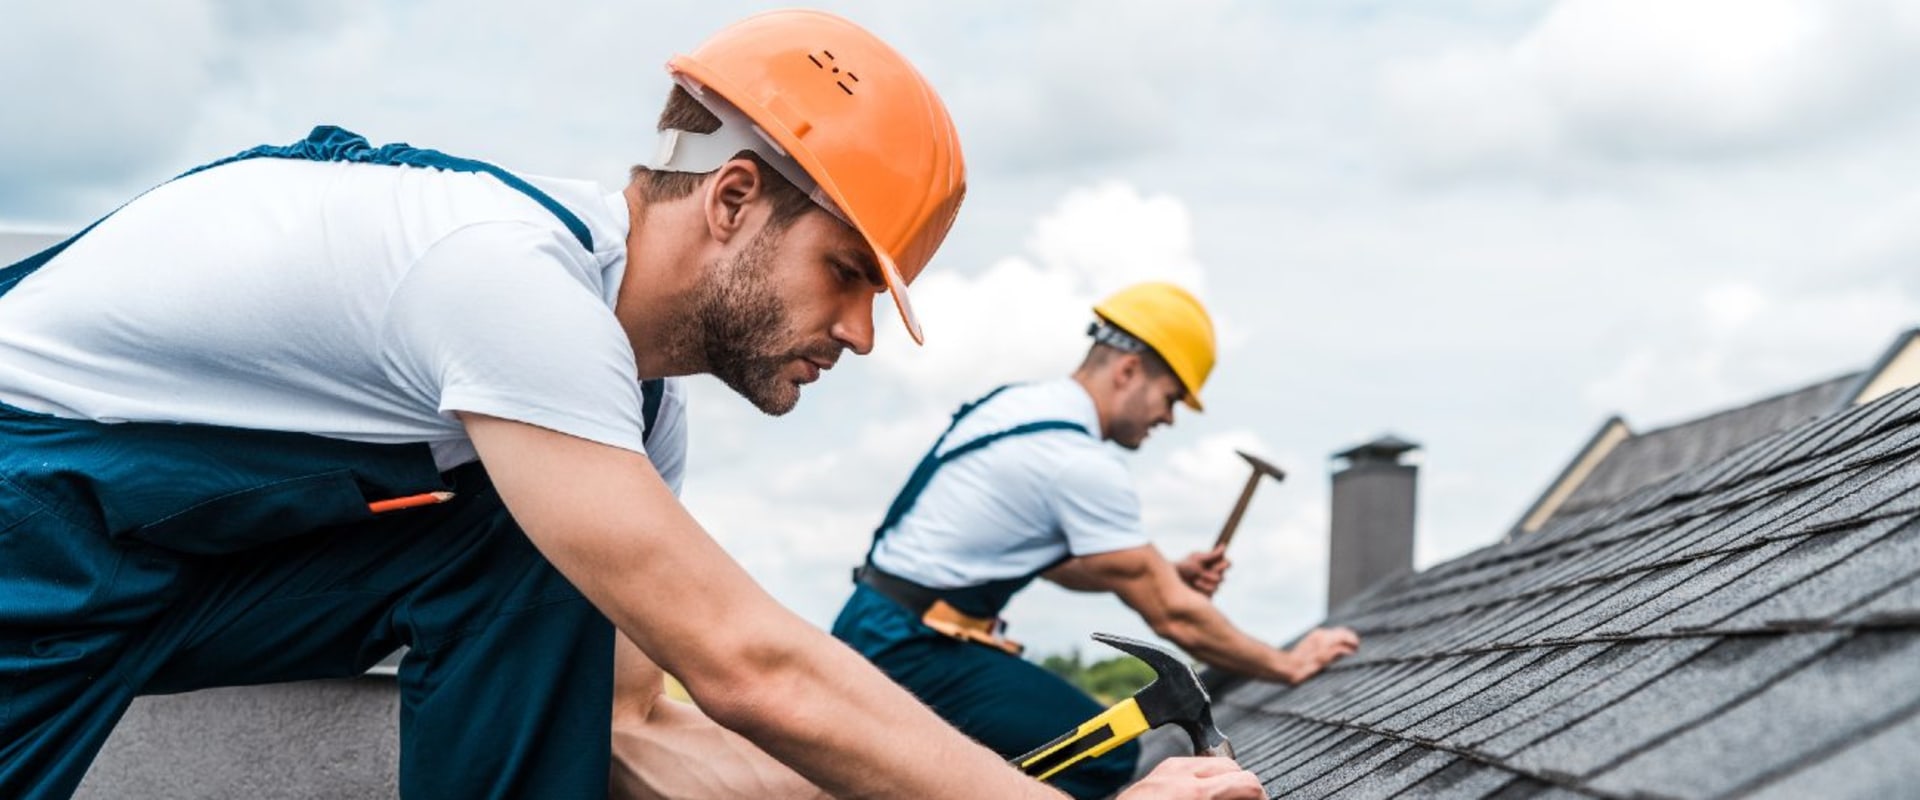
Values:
[(1175, 697)]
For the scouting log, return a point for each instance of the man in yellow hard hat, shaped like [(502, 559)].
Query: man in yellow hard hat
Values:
[(1020, 486), (307, 404)]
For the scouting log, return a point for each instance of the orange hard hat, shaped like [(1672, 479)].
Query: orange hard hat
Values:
[(869, 137)]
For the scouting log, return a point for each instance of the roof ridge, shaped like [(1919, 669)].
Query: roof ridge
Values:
[(1853, 375)]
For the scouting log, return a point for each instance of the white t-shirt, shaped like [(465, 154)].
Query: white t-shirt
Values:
[(1021, 503), (353, 301)]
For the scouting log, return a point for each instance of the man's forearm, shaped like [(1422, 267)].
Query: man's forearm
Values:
[(663, 749), (1206, 634), (838, 720), (678, 752), (608, 523)]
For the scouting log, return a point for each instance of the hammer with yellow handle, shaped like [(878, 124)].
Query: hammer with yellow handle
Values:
[(1175, 697)]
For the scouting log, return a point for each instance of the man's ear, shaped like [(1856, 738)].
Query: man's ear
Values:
[(731, 193), (1127, 368)]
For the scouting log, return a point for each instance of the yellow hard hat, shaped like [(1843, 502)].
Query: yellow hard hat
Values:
[(1170, 320)]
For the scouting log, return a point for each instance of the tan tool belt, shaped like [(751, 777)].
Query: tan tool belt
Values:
[(937, 613), (952, 622)]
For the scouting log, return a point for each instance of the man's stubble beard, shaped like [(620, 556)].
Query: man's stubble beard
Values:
[(743, 325)]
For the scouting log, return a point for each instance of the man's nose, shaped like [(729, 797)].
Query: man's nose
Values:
[(854, 328)]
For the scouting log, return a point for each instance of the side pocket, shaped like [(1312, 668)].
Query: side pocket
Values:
[(50, 575), (271, 512)]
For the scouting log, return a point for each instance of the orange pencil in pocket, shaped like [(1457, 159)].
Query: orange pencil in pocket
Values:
[(410, 501)]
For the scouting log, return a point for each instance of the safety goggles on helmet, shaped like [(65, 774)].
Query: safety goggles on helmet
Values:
[(1109, 334)]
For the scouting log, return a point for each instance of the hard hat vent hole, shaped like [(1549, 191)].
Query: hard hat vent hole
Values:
[(843, 78)]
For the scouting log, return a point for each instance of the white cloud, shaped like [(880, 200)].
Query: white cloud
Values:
[(1728, 307), (1098, 81), (1624, 80), (1025, 315), (87, 100), (1886, 246)]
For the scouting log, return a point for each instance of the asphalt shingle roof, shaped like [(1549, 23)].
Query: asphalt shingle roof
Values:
[(1653, 456), (1748, 627)]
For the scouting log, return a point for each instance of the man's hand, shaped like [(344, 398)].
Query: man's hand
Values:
[(1319, 648), (1196, 779), (1204, 570)]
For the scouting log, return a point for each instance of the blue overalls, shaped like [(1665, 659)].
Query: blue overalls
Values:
[(150, 558), (1004, 702)]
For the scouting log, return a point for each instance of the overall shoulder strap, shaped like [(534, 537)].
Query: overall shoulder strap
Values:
[(651, 391), (329, 143), (934, 459)]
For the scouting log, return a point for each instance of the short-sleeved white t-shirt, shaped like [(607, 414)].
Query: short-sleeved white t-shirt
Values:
[(353, 301), (1020, 504)]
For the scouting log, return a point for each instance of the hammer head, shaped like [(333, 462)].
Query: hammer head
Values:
[(1174, 697), (1262, 466)]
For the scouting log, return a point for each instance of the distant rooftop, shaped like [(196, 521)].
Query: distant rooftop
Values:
[(1617, 461), (1748, 627)]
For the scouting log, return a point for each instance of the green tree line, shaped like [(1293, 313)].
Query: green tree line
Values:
[(1108, 680)]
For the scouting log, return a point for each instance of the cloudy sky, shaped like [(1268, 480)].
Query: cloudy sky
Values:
[(1480, 224)]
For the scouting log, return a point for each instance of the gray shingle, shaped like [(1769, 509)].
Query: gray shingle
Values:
[(1709, 578), (1893, 445), (1380, 682), (1882, 561), (1435, 679), (1867, 679), (1553, 662), (1630, 592), (1461, 779), (1690, 691), (1767, 578), (1856, 770), (1490, 668), (1873, 490), (1767, 515), (1293, 773), (1329, 745), (1553, 608), (1900, 604), (1599, 686), (1330, 781), (1393, 777)]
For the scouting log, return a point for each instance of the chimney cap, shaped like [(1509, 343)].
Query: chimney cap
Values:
[(1386, 448)]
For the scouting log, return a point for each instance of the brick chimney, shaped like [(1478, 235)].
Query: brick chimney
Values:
[(1372, 531)]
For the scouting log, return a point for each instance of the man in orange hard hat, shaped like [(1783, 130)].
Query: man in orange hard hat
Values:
[(1021, 486), (307, 404)]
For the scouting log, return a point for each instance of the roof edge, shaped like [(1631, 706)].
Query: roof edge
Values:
[(1897, 368), (1611, 433)]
